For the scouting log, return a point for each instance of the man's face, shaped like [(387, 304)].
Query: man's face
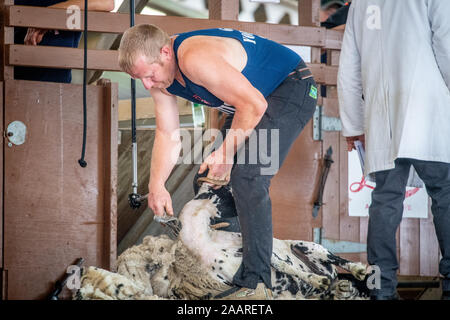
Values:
[(153, 75)]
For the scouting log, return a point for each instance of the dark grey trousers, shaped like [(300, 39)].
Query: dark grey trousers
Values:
[(290, 107), (385, 215)]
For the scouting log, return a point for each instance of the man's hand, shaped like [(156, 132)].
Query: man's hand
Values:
[(351, 142), (34, 36), (219, 166), (159, 200)]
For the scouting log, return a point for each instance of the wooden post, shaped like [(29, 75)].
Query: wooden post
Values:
[(309, 13), (309, 16), (6, 37), (110, 171), (224, 10), (220, 10), (1, 193), (6, 72)]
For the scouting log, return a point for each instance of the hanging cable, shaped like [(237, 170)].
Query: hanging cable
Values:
[(134, 198), (133, 113), (82, 162)]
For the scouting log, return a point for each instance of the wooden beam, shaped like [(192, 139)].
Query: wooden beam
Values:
[(323, 74), (110, 172), (330, 103), (308, 13), (71, 58), (333, 39), (223, 10), (24, 16), (334, 57), (6, 37), (60, 57), (1, 186)]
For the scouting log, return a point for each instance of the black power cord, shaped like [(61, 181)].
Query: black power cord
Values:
[(134, 198), (83, 162)]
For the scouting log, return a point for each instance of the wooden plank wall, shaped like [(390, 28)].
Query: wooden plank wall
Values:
[(1, 181), (54, 210)]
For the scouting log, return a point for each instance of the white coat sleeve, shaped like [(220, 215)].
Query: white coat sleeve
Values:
[(438, 14), (351, 107)]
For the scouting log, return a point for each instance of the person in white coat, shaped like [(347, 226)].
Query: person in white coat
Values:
[(394, 96)]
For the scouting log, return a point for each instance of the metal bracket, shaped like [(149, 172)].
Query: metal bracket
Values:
[(16, 133), (323, 123), (337, 246)]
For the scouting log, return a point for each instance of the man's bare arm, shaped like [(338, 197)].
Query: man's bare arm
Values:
[(166, 149), (166, 136)]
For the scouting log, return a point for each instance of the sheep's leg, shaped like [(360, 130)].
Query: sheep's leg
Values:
[(315, 280), (357, 269)]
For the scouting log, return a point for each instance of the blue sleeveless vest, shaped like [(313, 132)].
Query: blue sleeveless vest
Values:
[(268, 64)]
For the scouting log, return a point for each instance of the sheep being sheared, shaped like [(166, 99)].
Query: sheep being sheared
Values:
[(208, 258), (201, 262)]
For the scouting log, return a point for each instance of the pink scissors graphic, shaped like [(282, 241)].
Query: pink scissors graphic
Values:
[(358, 186), (411, 192)]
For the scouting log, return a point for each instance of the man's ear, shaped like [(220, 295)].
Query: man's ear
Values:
[(165, 52)]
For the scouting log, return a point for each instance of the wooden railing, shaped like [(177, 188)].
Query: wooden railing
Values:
[(72, 58)]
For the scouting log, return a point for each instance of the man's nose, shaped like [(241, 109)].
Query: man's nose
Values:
[(148, 84)]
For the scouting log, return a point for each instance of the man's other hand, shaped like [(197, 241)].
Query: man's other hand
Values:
[(219, 167), (34, 36), (159, 200), (351, 142)]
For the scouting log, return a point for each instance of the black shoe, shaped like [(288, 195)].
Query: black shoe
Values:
[(395, 296), (445, 295)]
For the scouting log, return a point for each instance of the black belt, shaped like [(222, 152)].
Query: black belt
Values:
[(304, 73)]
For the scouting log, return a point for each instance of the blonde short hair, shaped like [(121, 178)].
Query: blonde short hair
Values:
[(146, 39)]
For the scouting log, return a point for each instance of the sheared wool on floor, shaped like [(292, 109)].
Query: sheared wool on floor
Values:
[(202, 260)]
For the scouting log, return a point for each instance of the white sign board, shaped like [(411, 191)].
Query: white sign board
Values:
[(303, 52), (360, 194)]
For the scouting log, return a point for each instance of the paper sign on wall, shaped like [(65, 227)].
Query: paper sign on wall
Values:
[(304, 52), (360, 193)]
